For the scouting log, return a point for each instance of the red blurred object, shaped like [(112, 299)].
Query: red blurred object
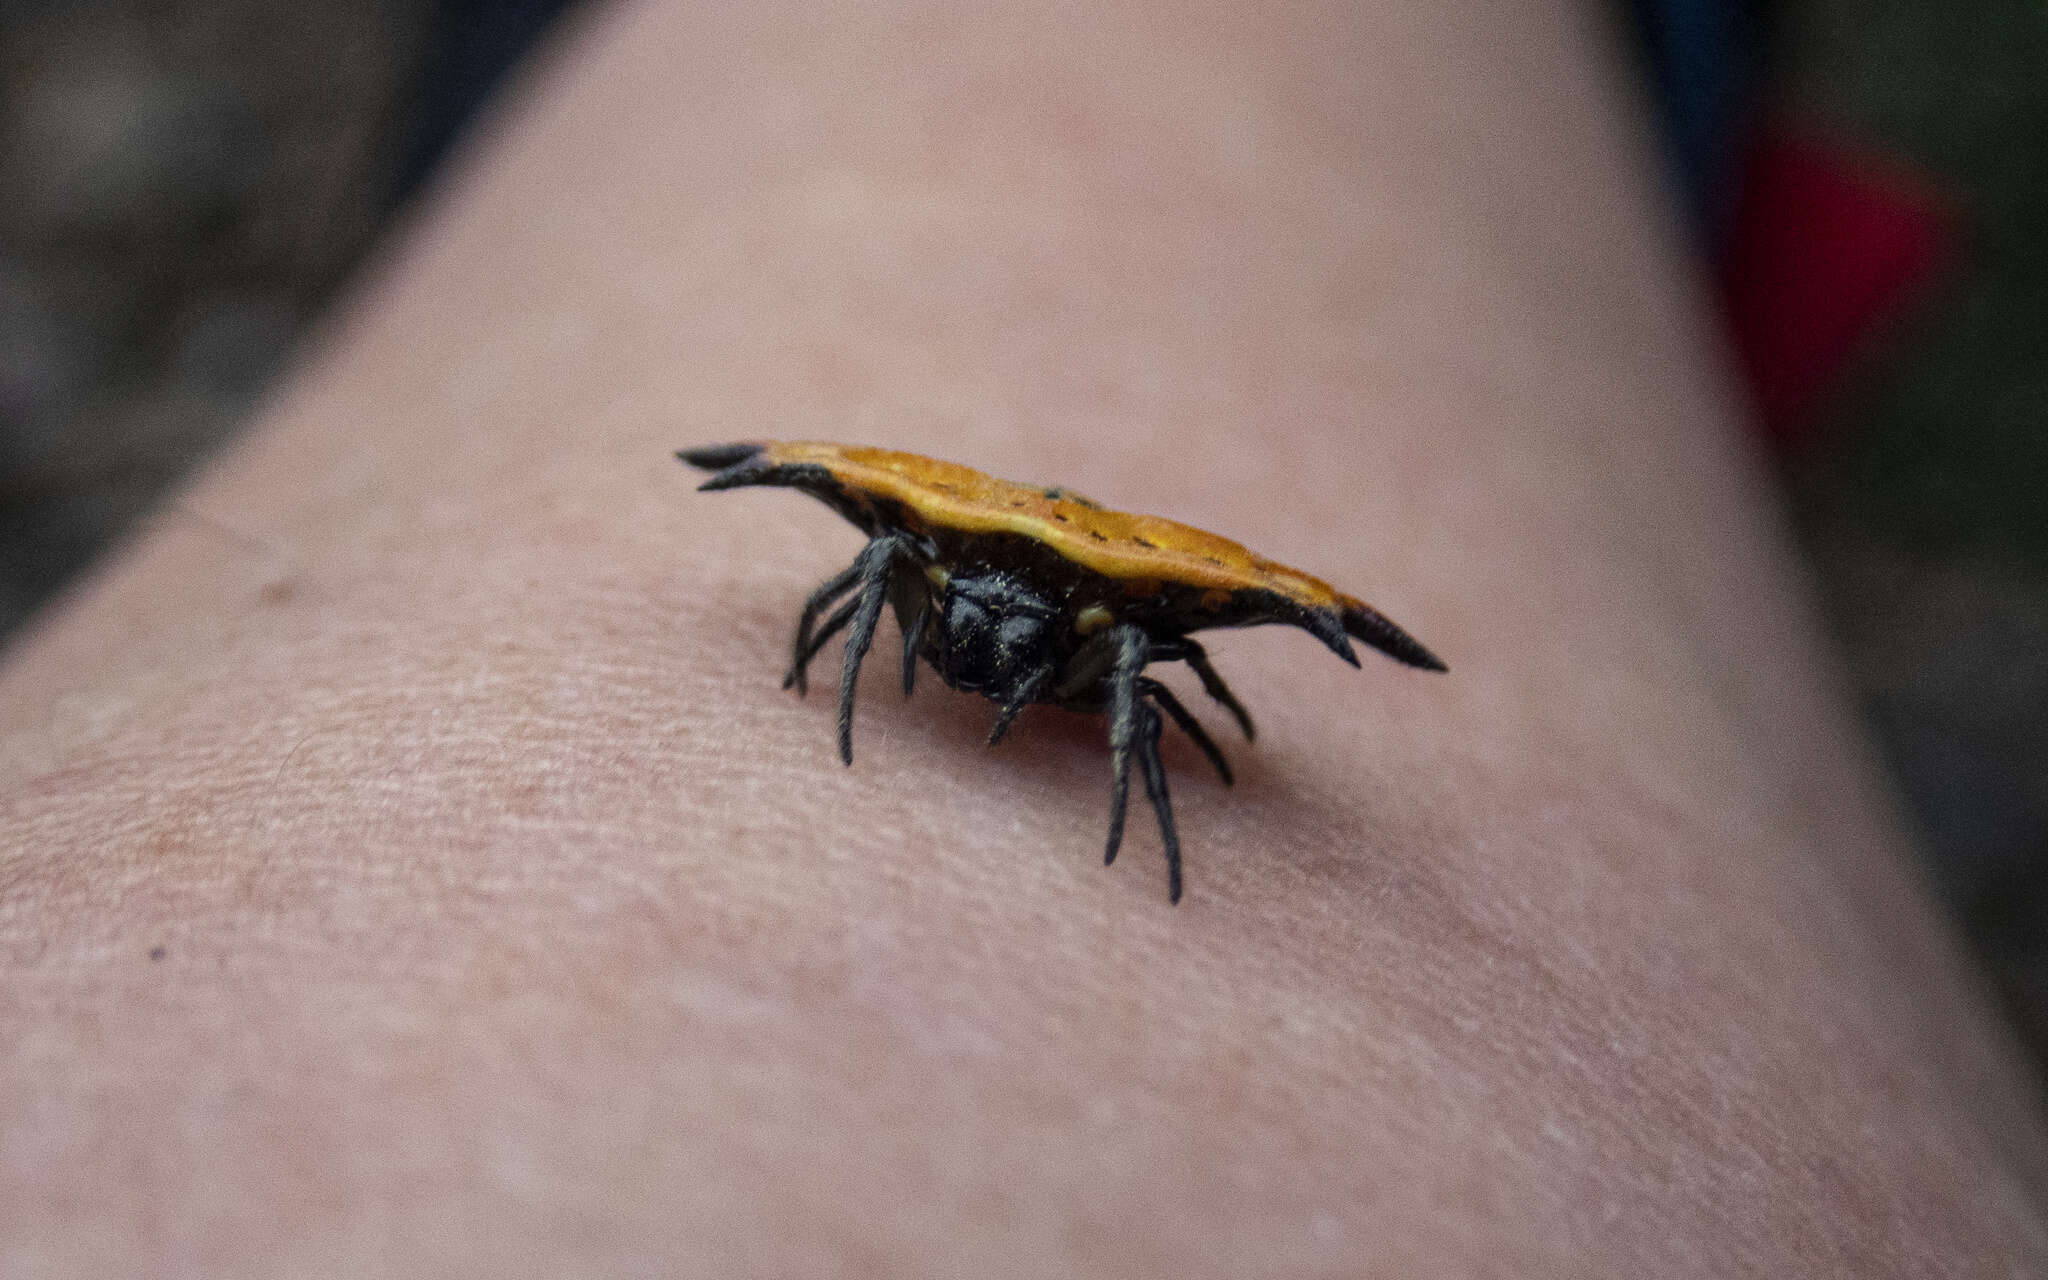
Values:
[(1825, 247)]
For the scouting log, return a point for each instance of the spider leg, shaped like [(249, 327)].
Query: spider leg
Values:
[(873, 566), (1197, 659), (1124, 713), (1025, 696), (820, 600), (1155, 791), (911, 635), (816, 641), (1190, 726)]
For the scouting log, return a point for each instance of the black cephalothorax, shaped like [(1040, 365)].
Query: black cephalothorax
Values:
[(1002, 615)]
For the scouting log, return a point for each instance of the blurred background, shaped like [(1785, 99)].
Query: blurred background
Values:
[(188, 181)]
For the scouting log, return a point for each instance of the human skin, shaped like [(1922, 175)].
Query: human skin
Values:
[(411, 866)]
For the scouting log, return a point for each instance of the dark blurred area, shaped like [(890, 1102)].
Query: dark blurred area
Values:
[(187, 183)]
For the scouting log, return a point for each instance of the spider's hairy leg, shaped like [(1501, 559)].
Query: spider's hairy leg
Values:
[(1155, 791), (1130, 648), (1197, 659), (913, 636), (873, 569), (820, 600), (1025, 696), (1192, 727), (832, 627)]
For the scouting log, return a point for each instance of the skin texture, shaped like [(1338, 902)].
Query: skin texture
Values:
[(411, 867)]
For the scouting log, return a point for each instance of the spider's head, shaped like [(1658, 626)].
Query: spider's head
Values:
[(995, 634)]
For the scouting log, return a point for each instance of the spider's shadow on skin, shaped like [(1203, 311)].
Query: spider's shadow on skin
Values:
[(1057, 762), (960, 721), (1049, 752), (1045, 733), (1235, 837)]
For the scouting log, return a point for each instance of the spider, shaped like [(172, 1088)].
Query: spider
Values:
[(1037, 595)]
